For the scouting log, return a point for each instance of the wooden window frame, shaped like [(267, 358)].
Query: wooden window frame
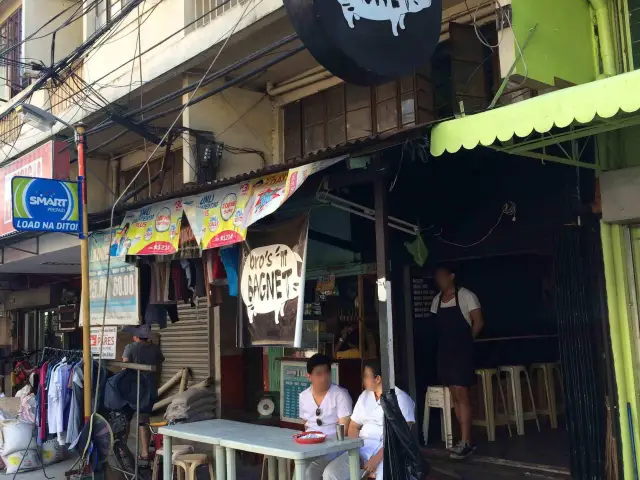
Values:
[(297, 110)]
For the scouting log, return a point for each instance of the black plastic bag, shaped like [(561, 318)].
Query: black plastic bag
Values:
[(402, 459)]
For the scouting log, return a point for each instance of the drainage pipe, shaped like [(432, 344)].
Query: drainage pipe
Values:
[(605, 37)]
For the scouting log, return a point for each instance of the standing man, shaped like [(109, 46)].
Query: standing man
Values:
[(322, 406), (460, 322), (144, 352)]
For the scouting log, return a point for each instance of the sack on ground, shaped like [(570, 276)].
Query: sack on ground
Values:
[(16, 436), (29, 459), (191, 395), (52, 452)]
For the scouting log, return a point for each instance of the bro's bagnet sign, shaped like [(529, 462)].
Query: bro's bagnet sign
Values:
[(272, 284)]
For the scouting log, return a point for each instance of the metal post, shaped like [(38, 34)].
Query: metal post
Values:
[(138, 423), (382, 263), (84, 261)]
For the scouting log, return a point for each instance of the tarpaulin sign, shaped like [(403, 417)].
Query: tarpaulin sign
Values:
[(151, 230), (45, 205), (217, 217), (268, 193), (272, 284), (122, 290)]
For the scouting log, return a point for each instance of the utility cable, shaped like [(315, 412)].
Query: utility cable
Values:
[(68, 22), (127, 187), (508, 210)]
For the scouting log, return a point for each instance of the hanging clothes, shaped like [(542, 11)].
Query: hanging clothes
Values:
[(230, 257)]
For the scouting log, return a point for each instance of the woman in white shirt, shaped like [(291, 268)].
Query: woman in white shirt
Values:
[(367, 422), (460, 322)]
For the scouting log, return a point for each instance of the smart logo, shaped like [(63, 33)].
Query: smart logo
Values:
[(46, 205)]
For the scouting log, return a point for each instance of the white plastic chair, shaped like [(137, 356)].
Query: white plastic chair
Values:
[(485, 377), (438, 397), (516, 413)]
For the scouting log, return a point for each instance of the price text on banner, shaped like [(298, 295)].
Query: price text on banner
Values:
[(122, 291)]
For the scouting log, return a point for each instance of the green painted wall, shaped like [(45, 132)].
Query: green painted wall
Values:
[(562, 45)]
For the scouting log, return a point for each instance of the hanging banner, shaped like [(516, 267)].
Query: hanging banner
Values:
[(268, 193), (272, 284), (45, 205), (217, 217), (122, 291), (151, 230)]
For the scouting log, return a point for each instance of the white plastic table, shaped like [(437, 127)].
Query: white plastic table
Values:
[(275, 443)]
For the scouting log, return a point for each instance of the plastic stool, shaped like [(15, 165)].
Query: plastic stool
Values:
[(176, 450), (438, 397), (546, 383), (514, 393), (191, 461), (489, 421)]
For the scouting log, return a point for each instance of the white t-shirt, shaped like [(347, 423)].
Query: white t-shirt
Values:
[(369, 414), (336, 404), (468, 303)]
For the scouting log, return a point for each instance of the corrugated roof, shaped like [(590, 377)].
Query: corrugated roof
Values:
[(360, 146)]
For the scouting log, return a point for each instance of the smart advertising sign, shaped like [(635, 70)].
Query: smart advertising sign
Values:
[(368, 42), (45, 205)]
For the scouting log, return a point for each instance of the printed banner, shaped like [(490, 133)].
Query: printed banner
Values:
[(107, 340), (151, 230), (122, 294), (217, 217), (268, 193), (272, 284), (45, 205)]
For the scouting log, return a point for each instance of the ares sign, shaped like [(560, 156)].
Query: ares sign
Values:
[(368, 42), (45, 205)]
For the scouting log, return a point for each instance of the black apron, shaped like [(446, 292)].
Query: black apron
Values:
[(455, 347)]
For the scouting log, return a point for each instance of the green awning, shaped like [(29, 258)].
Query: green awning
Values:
[(587, 109)]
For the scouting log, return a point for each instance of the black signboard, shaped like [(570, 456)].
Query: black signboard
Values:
[(422, 293), (368, 42)]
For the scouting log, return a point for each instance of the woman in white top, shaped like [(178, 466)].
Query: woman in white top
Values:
[(460, 321), (322, 406), (367, 422)]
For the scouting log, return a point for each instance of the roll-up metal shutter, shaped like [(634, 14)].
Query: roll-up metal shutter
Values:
[(186, 343)]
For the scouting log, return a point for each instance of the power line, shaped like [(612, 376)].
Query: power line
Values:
[(212, 77), (104, 315), (68, 22), (161, 42)]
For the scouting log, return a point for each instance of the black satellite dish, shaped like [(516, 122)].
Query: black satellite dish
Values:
[(368, 42)]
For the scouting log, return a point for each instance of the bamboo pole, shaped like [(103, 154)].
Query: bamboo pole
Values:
[(167, 401), (183, 381), (171, 382)]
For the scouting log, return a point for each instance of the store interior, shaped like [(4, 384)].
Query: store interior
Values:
[(499, 220)]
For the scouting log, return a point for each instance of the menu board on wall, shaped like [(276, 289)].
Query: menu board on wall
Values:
[(294, 381), (423, 292)]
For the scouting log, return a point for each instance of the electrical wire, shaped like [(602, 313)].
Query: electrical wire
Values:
[(131, 183), (67, 22), (161, 42), (508, 210), (219, 135)]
